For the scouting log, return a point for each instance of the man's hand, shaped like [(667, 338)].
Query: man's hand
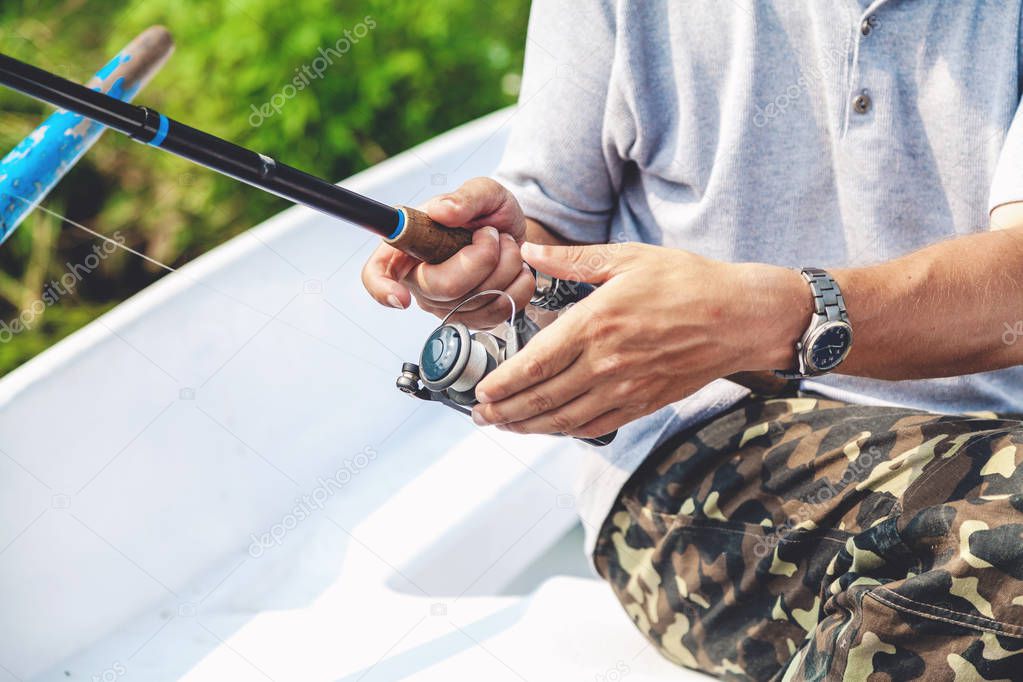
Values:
[(492, 261), (663, 324)]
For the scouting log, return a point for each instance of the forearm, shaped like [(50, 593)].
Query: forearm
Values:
[(942, 311), (939, 312), (950, 309)]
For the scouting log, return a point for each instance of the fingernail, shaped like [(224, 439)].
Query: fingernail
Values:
[(530, 250), (478, 419), (393, 301), (492, 232), (482, 396)]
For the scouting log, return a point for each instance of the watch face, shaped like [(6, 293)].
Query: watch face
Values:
[(830, 347)]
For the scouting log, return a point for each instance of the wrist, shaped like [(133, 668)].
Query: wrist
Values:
[(777, 307)]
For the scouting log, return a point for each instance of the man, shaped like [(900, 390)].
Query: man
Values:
[(858, 525)]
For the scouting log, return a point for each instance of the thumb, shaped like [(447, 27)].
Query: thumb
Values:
[(592, 264), (478, 203)]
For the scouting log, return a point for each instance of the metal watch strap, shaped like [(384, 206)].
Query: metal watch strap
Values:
[(828, 306), (827, 298)]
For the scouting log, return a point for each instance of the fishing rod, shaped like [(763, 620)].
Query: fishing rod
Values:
[(404, 228)]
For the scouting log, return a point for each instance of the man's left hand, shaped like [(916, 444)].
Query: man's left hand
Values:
[(662, 324)]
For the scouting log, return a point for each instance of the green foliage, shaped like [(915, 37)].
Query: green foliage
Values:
[(411, 70)]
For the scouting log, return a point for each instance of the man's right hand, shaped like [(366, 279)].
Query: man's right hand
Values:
[(492, 261)]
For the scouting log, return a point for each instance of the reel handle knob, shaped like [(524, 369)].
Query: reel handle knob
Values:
[(408, 381)]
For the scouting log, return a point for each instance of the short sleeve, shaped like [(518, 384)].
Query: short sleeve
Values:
[(1007, 185), (555, 162)]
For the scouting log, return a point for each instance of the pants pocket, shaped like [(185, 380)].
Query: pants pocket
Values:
[(931, 597)]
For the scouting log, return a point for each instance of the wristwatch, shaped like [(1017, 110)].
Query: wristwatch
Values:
[(829, 337)]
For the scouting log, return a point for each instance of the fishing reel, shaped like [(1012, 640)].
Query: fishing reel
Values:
[(455, 360)]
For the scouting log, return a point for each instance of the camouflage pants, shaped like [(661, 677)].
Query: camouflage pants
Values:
[(806, 539)]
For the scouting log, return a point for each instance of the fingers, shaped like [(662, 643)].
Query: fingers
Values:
[(478, 202), (463, 272), (602, 425), (594, 264), (508, 268), (488, 311), (383, 273), (546, 355), (538, 403), (583, 416), (497, 309)]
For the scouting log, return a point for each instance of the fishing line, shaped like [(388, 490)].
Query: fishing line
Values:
[(103, 237)]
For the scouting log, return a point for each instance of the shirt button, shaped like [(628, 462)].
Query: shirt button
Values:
[(862, 103), (867, 27)]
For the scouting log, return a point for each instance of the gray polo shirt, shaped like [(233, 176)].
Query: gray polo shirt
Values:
[(828, 133)]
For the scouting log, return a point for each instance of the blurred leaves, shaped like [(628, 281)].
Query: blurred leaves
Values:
[(408, 71)]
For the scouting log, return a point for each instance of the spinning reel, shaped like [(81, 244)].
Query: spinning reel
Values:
[(455, 360)]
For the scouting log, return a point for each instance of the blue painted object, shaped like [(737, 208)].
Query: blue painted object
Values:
[(37, 163)]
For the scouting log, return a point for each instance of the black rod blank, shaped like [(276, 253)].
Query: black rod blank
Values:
[(153, 128)]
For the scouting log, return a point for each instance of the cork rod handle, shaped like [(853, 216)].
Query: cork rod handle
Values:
[(428, 240)]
